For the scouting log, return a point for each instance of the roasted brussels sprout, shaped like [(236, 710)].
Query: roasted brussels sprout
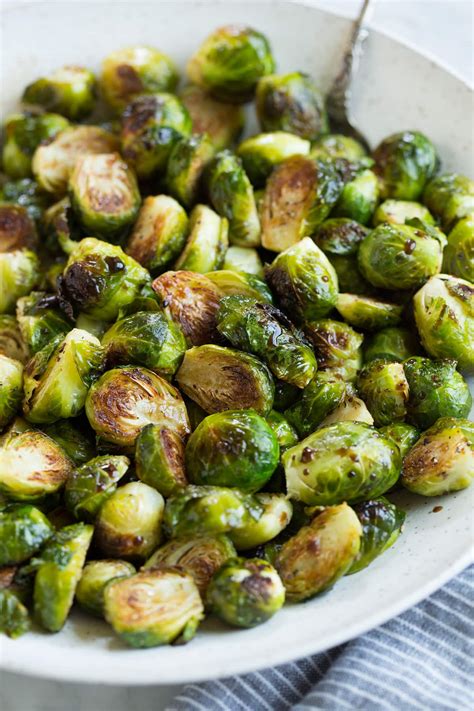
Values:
[(340, 235), (284, 431), (335, 145), (320, 553), (444, 315), (351, 409), (97, 574), (42, 317), (26, 193), (359, 197), (230, 283), (154, 607), (384, 388), (230, 62), (243, 259), (146, 338), (276, 515), (54, 162), (191, 301), (187, 161), (458, 256), (11, 388), (261, 153), (73, 438), (368, 314), (131, 71), (442, 460), (69, 91), (403, 434), (23, 530), (57, 378), (450, 197), (223, 123), (381, 523), (346, 461), (199, 556), (100, 279), (14, 618), (159, 458), (207, 241), (125, 399), (91, 484), (11, 342), (104, 195), (19, 274), (235, 448), (398, 212), (151, 125), (266, 332), (17, 229), (23, 133), (436, 390), (404, 163), (318, 399), (337, 347), (391, 343)]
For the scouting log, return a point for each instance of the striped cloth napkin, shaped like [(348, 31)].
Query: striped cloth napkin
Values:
[(422, 660)]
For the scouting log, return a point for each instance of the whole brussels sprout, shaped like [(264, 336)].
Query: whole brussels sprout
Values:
[(403, 434), (230, 62), (391, 343), (401, 256), (14, 618), (207, 241), (335, 145), (222, 122), (436, 390), (444, 315), (243, 259), (381, 523), (19, 273), (97, 574), (265, 331), (154, 607), (318, 399), (450, 197), (404, 163), (146, 338), (11, 388), (159, 458), (23, 134), (125, 399), (199, 556), (17, 229), (235, 448), (99, 279), (384, 388), (187, 161), (42, 317), (276, 515), (91, 484), (26, 193), (261, 153), (220, 379), (318, 473), (11, 341), (104, 195), (131, 71), (73, 437), (397, 212), (54, 162), (284, 431), (320, 553), (23, 530), (337, 347), (151, 125), (69, 91), (190, 300), (351, 409), (442, 460), (231, 282), (340, 235), (245, 592), (359, 197), (458, 256), (57, 378)]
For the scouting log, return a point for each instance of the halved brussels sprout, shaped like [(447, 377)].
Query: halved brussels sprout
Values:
[(73, 438), (265, 331), (318, 399), (293, 103), (126, 399), (335, 145), (91, 484), (340, 235), (392, 343), (231, 282), (346, 461), (403, 434), (128, 524), (104, 195), (154, 607), (337, 347), (58, 377), (187, 161), (444, 315), (235, 448), (69, 91), (146, 338), (283, 430), (367, 313), (191, 300), (359, 197), (24, 133), (17, 229), (442, 460), (404, 163), (14, 618), (458, 256), (381, 523), (26, 193), (23, 530), (231, 195), (159, 458), (151, 125), (19, 273), (245, 592), (304, 281), (261, 153), (436, 390), (220, 378), (11, 388), (100, 279), (11, 342), (320, 553), (54, 162), (230, 62), (384, 388), (42, 317), (131, 71), (31, 466), (450, 197), (243, 259), (351, 409), (207, 241), (397, 212), (223, 123), (276, 515), (97, 574)]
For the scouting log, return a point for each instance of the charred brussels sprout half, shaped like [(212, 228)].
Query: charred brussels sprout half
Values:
[(97, 574), (42, 317), (186, 164), (243, 259), (340, 235), (319, 553), (403, 434), (230, 62), (398, 212), (261, 153), (222, 122), (88, 486), (346, 461), (384, 388), (458, 257), (276, 515), (391, 343), (159, 458), (11, 341), (235, 448), (69, 91), (23, 530), (231, 282), (74, 437), (154, 607), (11, 388), (207, 241), (436, 390), (265, 331), (285, 432), (404, 163), (19, 274), (126, 399), (450, 197), (14, 618), (335, 145), (359, 197), (337, 347), (368, 314), (23, 134), (444, 315), (17, 229), (151, 125), (318, 399), (381, 523), (442, 460)]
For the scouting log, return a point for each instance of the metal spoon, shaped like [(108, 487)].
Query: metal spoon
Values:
[(338, 100)]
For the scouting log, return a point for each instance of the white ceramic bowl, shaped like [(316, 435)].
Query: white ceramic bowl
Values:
[(397, 89)]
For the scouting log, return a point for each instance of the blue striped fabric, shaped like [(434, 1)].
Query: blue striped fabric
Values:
[(422, 660)]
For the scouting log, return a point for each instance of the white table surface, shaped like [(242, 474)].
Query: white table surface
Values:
[(443, 28)]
